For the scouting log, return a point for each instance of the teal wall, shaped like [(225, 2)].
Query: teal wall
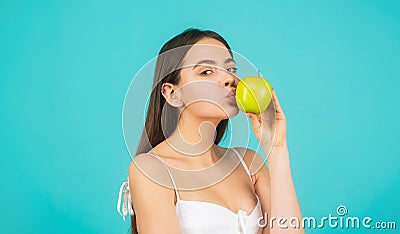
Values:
[(66, 65)]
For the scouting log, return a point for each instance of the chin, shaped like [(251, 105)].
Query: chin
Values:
[(207, 111), (234, 114), (230, 113)]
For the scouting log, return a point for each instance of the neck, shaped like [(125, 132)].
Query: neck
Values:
[(194, 138)]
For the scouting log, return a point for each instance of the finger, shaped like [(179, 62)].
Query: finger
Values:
[(254, 118), (276, 102), (255, 124)]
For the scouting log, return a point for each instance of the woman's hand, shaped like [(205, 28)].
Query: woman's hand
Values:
[(265, 123)]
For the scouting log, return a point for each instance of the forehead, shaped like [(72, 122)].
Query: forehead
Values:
[(207, 49)]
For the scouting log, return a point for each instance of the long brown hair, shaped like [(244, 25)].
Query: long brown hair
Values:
[(168, 70)]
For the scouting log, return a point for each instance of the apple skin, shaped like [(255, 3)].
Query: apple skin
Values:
[(253, 94)]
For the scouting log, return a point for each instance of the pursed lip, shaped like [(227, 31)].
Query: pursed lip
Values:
[(231, 93), (231, 96)]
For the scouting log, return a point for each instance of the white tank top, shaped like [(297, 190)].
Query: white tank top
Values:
[(198, 217)]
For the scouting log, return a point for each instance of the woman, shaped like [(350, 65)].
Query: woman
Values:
[(192, 99)]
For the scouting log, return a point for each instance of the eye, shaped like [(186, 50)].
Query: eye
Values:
[(232, 69), (206, 72)]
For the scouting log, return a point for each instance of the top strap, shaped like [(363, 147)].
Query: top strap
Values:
[(170, 175), (243, 163)]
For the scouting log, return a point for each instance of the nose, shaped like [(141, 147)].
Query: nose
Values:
[(230, 81)]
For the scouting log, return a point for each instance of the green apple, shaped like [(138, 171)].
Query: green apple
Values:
[(253, 94)]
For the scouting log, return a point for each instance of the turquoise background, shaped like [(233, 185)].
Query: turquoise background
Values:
[(66, 65)]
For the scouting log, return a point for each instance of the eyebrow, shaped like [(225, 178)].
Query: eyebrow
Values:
[(212, 62)]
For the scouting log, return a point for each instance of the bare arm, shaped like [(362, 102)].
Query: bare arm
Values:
[(283, 194), (284, 204), (153, 203)]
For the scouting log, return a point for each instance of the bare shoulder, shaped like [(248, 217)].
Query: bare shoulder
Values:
[(146, 165), (254, 161), (152, 194), (147, 172)]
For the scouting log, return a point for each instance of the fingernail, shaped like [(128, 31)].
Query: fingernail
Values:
[(247, 114)]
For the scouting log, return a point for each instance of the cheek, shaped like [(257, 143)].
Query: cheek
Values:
[(207, 99), (203, 101), (206, 91)]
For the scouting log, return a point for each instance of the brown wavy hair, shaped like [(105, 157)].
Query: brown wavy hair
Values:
[(168, 70)]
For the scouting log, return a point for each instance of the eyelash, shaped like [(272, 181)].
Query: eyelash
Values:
[(234, 69), (203, 72), (231, 69)]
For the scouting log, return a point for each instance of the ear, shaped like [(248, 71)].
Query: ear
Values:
[(169, 91)]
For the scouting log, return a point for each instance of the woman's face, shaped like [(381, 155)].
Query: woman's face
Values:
[(208, 81)]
